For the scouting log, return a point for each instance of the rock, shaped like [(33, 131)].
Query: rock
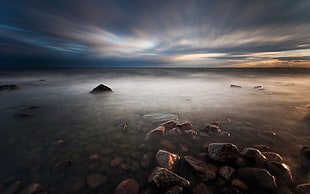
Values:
[(101, 88), (64, 164), (184, 125), (169, 124), (128, 186), (272, 156), (239, 184), (228, 190), (206, 171), (222, 152), (34, 188), (163, 178), (201, 188), (95, 180), (116, 161), (235, 86), (174, 132), (258, 87), (125, 166), (146, 161), (174, 190), (157, 132), (12, 188), (280, 170), (305, 150), (9, 87), (191, 133), (212, 127), (226, 172), (261, 147), (59, 142), (94, 157), (258, 177), (167, 159), (303, 188), (253, 154)]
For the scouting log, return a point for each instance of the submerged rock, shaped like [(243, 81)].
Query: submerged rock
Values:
[(280, 170), (101, 88), (174, 190), (34, 188), (146, 161), (163, 178), (303, 188), (116, 161), (128, 186), (157, 132), (28, 107), (212, 127), (9, 87), (258, 177), (222, 152), (239, 184), (12, 188), (272, 156), (95, 180), (169, 124), (174, 132), (167, 159), (226, 172), (203, 169), (201, 188), (64, 164)]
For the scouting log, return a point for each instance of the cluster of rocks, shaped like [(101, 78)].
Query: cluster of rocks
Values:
[(224, 169)]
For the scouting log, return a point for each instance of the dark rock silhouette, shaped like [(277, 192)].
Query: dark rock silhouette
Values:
[(101, 88)]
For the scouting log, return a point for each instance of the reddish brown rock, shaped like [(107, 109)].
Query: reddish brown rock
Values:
[(157, 132), (174, 190), (201, 188), (280, 170), (128, 186), (206, 171), (222, 152), (185, 125), (116, 161), (253, 154), (167, 159), (212, 127), (34, 188), (163, 178)]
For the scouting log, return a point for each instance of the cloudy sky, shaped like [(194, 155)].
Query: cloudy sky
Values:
[(155, 33)]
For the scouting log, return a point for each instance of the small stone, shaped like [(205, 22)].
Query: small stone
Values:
[(96, 180), (201, 188), (258, 177), (235, 86), (206, 171), (253, 154), (212, 127), (239, 184), (222, 152), (125, 166), (185, 125), (94, 157), (135, 155), (167, 159), (116, 161), (101, 88), (163, 178), (75, 184), (303, 188), (12, 188), (157, 132), (146, 161), (64, 164), (258, 87), (174, 132), (174, 190), (169, 124), (226, 172), (191, 133), (228, 190), (272, 156), (128, 186), (142, 147)]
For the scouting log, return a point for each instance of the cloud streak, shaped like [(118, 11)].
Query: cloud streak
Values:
[(158, 33)]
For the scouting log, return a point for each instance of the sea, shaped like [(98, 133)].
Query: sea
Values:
[(54, 132)]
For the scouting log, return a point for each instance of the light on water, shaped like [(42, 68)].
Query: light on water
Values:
[(89, 126)]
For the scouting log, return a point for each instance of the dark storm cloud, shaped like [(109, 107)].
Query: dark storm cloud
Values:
[(155, 32)]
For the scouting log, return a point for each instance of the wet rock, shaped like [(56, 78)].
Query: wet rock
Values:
[(303, 188), (169, 124), (94, 157), (157, 132), (12, 188), (146, 161), (101, 88), (258, 177), (280, 170), (167, 159), (174, 190), (116, 161), (203, 169), (226, 172), (59, 142), (305, 150), (253, 154), (9, 87), (163, 178), (201, 188), (34, 188), (174, 132), (191, 133), (185, 125), (64, 164), (261, 147), (272, 156), (95, 180), (258, 87), (222, 152), (239, 184), (128, 186), (235, 86), (212, 127)]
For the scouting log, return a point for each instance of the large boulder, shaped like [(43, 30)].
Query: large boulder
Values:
[(206, 171), (101, 88), (258, 177), (128, 186), (222, 152), (163, 178), (167, 159)]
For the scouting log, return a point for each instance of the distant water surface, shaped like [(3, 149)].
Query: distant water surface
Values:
[(277, 116)]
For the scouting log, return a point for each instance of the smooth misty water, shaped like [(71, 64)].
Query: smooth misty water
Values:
[(90, 124)]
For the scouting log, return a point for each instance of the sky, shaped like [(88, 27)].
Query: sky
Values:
[(155, 33)]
